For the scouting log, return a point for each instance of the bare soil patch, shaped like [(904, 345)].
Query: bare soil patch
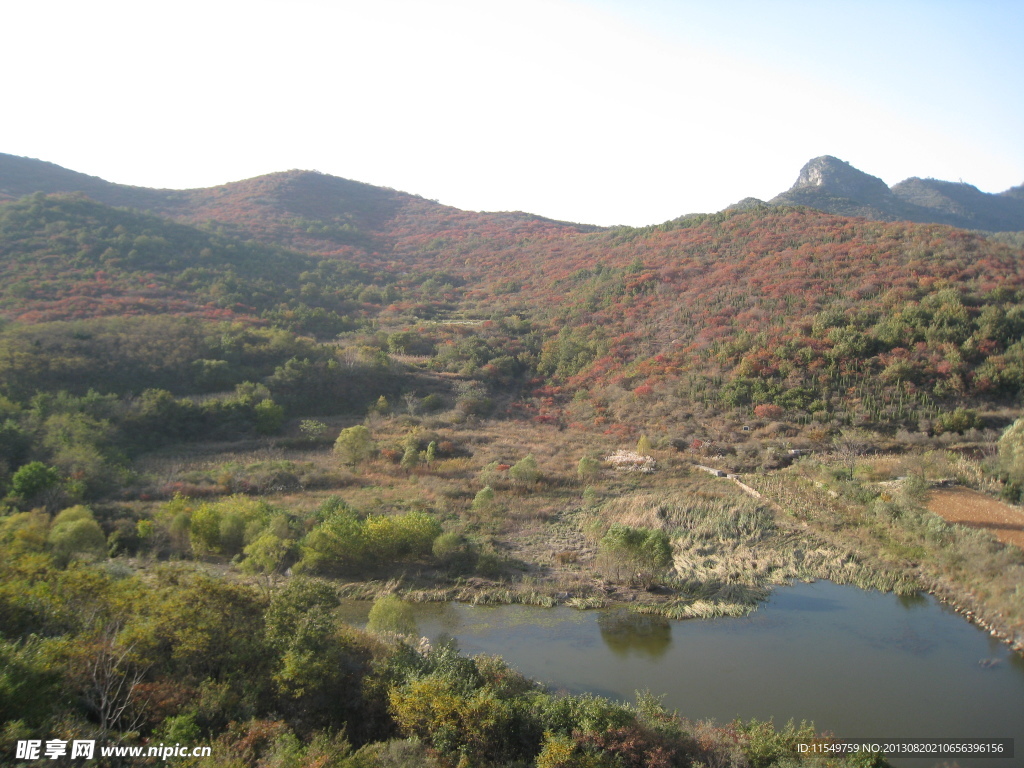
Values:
[(967, 507)]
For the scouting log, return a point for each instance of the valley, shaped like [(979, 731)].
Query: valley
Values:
[(245, 404)]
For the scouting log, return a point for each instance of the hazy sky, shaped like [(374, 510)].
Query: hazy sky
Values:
[(599, 111)]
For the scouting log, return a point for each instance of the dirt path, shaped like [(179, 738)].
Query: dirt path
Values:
[(967, 507)]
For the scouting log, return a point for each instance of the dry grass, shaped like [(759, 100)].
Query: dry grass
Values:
[(905, 545), (729, 549)]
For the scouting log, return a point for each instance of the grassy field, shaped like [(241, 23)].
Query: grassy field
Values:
[(537, 536)]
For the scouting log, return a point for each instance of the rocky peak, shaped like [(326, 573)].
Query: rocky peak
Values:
[(839, 178)]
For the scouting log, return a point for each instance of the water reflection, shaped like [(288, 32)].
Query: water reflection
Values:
[(916, 600), (625, 632), (857, 663)]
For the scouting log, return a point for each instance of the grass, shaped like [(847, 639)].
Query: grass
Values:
[(730, 550), (905, 546)]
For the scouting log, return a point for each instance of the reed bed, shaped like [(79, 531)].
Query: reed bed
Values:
[(729, 550)]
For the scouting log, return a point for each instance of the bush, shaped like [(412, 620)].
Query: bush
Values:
[(454, 552), (1011, 461), (960, 420), (343, 543), (33, 478), (765, 746), (525, 471), (391, 614), (768, 411), (484, 499), (641, 552), (75, 534), (478, 726), (588, 469), (312, 430), (432, 403), (269, 417)]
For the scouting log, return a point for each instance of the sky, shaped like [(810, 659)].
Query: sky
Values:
[(596, 111)]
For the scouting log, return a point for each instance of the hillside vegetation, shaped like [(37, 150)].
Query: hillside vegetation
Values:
[(281, 392)]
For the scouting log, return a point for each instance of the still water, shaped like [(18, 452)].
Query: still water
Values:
[(856, 663)]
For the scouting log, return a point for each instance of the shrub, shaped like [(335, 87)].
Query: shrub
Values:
[(269, 417), (343, 543), (768, 411), (410, 459), (959, 420), (269, 554), (312, 429), (563, 752), (478, 726), (643, 553), (75, 534), (432, 403), (391, 614), (484, 499), (454, 552), (765, 746), (33, 478), (1011, 460), (400, 537), (587, 469), (525, 471)]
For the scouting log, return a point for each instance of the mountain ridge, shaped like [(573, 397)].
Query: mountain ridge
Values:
[(824, 183), (767, 304), (829, 184)]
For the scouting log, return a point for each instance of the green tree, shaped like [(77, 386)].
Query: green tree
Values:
[(33, 478), (1011, 460), (410, 459), (354, 445), (644, 554), (269, 417), (298, 599), (312, 429)]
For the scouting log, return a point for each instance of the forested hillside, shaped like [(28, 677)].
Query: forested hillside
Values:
[(807, 313)]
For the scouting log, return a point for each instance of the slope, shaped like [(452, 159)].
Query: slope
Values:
[(835, 186), (767, 305)]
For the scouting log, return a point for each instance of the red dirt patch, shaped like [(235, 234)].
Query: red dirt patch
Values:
[(976, 510)]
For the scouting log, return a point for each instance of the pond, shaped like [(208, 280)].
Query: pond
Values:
[(856, 663)]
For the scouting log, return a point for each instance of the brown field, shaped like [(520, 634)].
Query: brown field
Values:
[(967, 507)]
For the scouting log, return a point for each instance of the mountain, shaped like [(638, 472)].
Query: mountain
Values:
[(767, 304), (833, 185), (306, 210)]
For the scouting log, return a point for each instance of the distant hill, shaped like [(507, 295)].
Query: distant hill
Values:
[(306, 210), (775, 303), (829, 184)]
